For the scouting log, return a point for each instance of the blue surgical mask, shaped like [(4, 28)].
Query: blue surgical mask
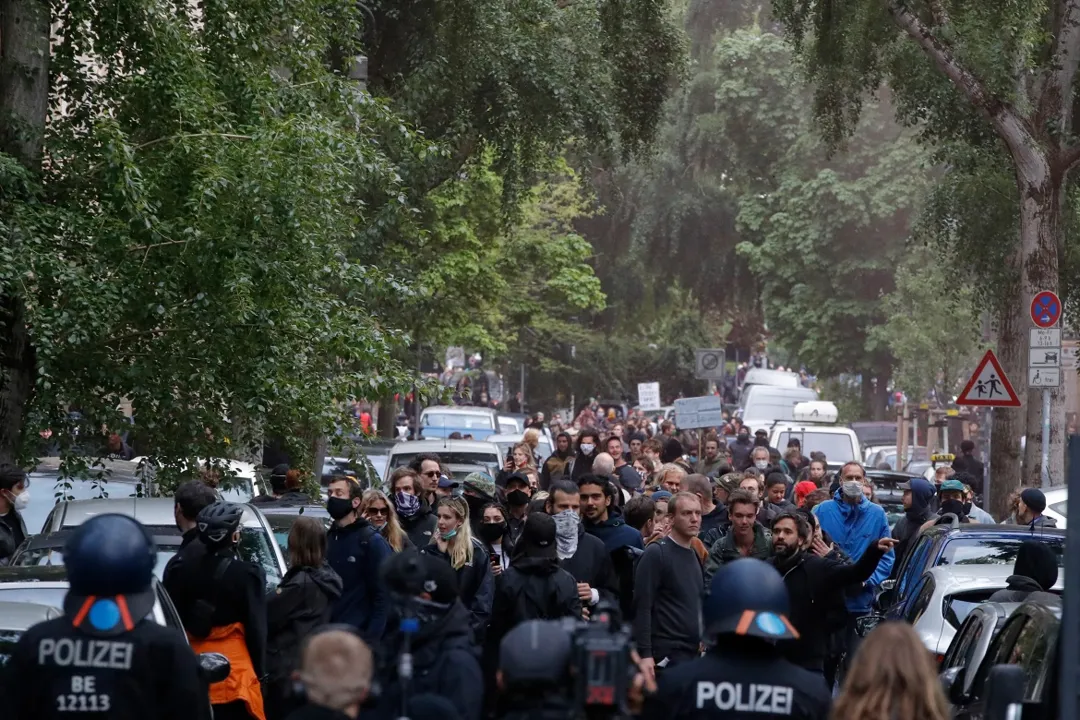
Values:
[(449, 535)]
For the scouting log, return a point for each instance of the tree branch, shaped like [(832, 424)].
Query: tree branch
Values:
[(1069, 156), (1055, 102)]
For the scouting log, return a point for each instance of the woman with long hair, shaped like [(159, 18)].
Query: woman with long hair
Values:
[(495, 534), (588, 446), (520, 461), (892, 677), (301, 603), (379, 511), (453, 541)]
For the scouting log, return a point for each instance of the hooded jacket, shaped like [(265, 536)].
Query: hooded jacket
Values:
[(420, 526), (855, 528), (591, 564), (740, 454), (907, 528), (582, 464), (356, 552), (475, 582), (1036, 570), (726, 550), (534, 588), (301, 603), (614, 532), (557, 466), (445, 662)]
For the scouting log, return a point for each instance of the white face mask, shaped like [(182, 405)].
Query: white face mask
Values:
[(587, 448), (21, 500), (761, 464)]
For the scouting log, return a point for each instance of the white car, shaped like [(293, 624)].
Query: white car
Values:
[(507, 442), (1056, 504), (460, 456), (944, 596), (813, 426), (257, 543)]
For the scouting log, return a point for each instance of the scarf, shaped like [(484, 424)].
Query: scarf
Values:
[(407, 505), (566, 533)]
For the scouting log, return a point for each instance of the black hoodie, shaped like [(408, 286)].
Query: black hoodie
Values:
[(420, 526), (1036, 570), (533, 588)]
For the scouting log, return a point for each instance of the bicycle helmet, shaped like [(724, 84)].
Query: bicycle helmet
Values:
[(748, 598), (218, 522), (110, 563)]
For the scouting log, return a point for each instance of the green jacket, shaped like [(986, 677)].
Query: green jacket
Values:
[(725, 551)]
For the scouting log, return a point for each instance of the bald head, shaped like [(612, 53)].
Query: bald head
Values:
[(603, 465), (336, 671)]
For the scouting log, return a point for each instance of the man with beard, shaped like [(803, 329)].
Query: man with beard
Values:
[(810, 580), (581, 554), (918, 496), (555, 467)]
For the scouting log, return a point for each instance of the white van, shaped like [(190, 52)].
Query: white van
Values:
[(765, 404), (765, 376), (813, 425)]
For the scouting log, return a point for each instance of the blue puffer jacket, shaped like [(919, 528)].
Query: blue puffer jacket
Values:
[(356, 552), (854, 528)]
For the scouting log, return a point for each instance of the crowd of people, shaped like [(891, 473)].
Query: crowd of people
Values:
[(741, 574)]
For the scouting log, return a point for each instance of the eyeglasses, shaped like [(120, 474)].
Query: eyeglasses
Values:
[(378, 511)]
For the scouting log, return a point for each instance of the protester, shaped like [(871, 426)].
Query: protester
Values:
[(588, 443), (1029, 509), (802, 489), (379, 511), (518, 493), (417, 519), (917, 499), (748, 538), (557, 466), (453, 543), (495, 534), (14, 498), (581, 554), (602, 516), (714, 518), (1035, 570)]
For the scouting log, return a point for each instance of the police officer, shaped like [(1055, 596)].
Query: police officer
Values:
[(105, 658), (742, 675)]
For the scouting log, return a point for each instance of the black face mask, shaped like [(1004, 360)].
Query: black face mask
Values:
[(967, 508), (952, 506), (476, 506), (339, 508), (744, 438), (490, 532), (517, 498)]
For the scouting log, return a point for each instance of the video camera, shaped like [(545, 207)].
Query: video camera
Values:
[(601, 669)]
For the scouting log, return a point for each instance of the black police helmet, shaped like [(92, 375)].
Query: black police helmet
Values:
[(217, 523), (748, 597), (110, 568)]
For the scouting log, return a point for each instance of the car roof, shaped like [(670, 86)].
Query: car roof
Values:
[(148, 511), (119, 471), (22, 616), (459, 410), (987, 530), (312, 509), (37, 575), (435, 446), (958, 578)]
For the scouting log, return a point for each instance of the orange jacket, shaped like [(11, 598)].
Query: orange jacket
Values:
[(242, 683)]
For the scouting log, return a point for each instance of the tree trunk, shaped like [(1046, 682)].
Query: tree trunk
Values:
[(867, 394), (1010, 424), (1041, 194), (387, 418), (24, 103), (881, 393)]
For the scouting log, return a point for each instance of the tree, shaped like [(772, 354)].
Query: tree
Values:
[(997, 74), (176, 234), (932, 328)]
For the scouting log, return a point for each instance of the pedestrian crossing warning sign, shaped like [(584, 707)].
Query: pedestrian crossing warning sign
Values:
[(988, 386)]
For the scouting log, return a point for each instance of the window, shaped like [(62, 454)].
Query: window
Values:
[(1060, 507), (255, 548), (921, 597), (913, 567), (1030, 653), (836, 446), (962, 648), (999, 652), (996, 550), (956, 608), (478, 421), (452, 458)]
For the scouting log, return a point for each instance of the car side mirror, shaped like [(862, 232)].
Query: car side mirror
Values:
[(1004, 692), (865, 624), (952, 682), (214, 667)]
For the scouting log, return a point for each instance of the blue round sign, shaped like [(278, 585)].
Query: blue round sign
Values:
[(1045, 309)]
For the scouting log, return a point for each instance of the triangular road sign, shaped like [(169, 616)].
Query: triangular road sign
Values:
[(988, 386)]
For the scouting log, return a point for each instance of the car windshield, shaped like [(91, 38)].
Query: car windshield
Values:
[(254, 548), (836, 446), (479, 421), (995, 551), (451, 458)]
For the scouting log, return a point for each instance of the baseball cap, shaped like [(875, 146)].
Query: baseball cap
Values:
[(536, 651), (412, 573), (952, 485), (481, 483), (538, 537), (448, 482)]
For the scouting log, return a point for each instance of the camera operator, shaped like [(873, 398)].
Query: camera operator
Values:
[(336, 672), (742, 674), (433, 653), (534, 679)]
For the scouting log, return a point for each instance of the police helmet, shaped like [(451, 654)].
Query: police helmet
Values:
[(748, 597), (217, 523), (110, 563)]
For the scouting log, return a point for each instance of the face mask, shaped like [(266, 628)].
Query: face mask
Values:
[(953, 506), (517, 498), (850, 489), (377, 524), (339, 508), (449, 535), (693, 459), (21, 501), (967, 508), (491, 532), (587, 448), (407, 505), (566, 533), (744, 438), (761, 464), (476, 506)]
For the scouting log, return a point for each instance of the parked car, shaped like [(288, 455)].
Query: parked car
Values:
[(1028, 641), (119, 479), (282, 517), (888, 456), (969, 646), (1057, 500), (953, 543), (458, 455), (507, 442), (18, 617), (257, 542), (888, 493), (441, 421)]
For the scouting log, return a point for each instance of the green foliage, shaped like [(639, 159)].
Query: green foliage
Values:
[(932, 327), (186, 248)]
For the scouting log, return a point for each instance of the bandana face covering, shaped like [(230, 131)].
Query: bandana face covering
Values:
[(566, 533), (407, 505)]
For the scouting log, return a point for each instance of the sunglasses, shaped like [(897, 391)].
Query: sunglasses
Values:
[(431, 473), (379, 511)]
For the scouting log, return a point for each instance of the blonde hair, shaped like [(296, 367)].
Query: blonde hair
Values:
[(459, 547), (527, 449), (392, 532), (670, 469), (892, 675), (336, 669), (532, 437)]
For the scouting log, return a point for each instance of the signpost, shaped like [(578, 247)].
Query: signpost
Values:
[(1044, 361), (698, 412), (709, 364), (988, 386), (648, 396)]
